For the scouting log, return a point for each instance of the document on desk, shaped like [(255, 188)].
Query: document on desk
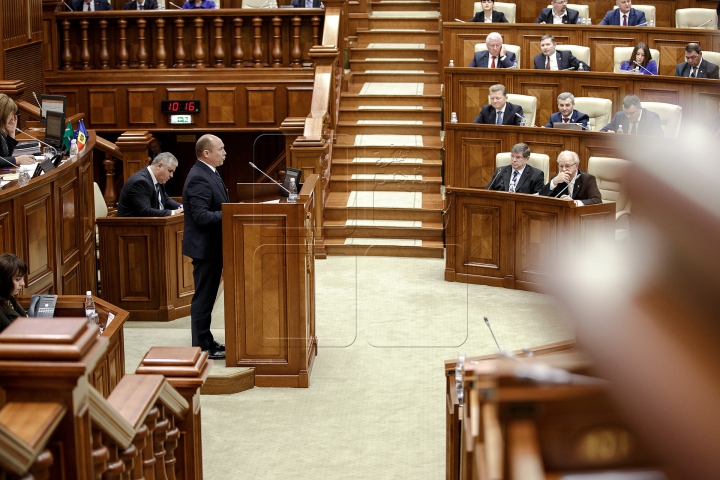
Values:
[(272, 201)]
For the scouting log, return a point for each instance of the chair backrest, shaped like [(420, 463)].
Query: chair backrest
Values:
[(694, 17), (528, 104), (259, 4), (537, 160), (507, 8), (610, 174), (670, 117), (578, 51), (583, 10), (479, 47), (622, 54), (712, 57), (101, 209), (648, 10), (598, 109)]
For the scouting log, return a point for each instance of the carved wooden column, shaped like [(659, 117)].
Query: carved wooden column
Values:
[(84, 49), (104, 54), (296, 52), (276, 52), (237, 47), (49, 360), (66, 53), (199, 39), (110, 196), (219, 52), (186, 369), (257, 42), (142, 54), (134, 147), (315, 21), (179, 48), (123, 54), (160, 54)]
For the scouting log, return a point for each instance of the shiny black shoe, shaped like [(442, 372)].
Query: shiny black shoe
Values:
[(215, 354), (218, 346)]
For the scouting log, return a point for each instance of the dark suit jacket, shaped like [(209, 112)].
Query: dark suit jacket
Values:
[(705, 70), (531, 180), (138, 198), (575, 117), (77, 5), (635, 18), (571, 16), (7, 146), (488, 115), (565, 60), (203, 196), (586, 189), (497, 17), (301, 4), (480, 60), (7, 317), (649, 124), (148, 5)]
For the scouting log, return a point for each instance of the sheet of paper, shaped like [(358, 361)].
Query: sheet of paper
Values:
[(272, 201)]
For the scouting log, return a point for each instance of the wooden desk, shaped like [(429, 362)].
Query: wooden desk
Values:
[(512, 240), (269, 270), (142, 266)]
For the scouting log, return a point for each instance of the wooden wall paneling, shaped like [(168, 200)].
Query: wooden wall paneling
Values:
[(103, 106), (261, 105), (672, 52), (482, 224), (7, 243), (536, 241), (69, 244), (546, 94), (141, 106), (72, 98), (137, 253), (221, 105), (299, 100), (35, 238), (86, 192), (602, 50), (477, 161), (707, 101), (185, 282), (48, 54)]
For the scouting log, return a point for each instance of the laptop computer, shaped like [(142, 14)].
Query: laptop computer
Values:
[(568, 126)]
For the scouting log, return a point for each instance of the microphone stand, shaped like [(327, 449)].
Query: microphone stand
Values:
[(648, 71), (526, 121), (54, 150), (487, 322)]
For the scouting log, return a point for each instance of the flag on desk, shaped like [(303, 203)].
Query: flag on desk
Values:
[(68, 136), (81, 136)]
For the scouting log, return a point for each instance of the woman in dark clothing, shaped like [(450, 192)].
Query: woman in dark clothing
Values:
[(8, 123), (12, 279)]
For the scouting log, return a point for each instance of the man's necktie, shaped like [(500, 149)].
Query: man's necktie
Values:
[(624, 20), (693, 72), (492, 65), (141, 7), (565, 119), (159, 197), (87, 7), (513, 181), (547, 63), (498, 121)]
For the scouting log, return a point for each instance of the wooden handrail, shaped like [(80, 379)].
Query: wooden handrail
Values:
[(108, 147), (274, 168)]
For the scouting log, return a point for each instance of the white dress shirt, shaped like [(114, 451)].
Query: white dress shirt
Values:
[(89, 6)]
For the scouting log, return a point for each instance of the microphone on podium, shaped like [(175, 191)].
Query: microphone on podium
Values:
[(68, 6), (487, 322), (493, 179), (171, 3), (648, 71), (269, 177), (703, 24), (54, 150)]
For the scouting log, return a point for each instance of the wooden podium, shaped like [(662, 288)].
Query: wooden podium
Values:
[(269, 272), (512, 240)]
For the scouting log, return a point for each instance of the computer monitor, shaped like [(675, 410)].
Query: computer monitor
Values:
[(54, 128), (51, 103)]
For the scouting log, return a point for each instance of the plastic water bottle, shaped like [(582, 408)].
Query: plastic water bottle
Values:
[(620, 130), (452, 64), (453, 117), (515, 65), (89, 304), (459, 378), (292, 196), (523, 122), (581, 68), (589, 21), (73, 150)]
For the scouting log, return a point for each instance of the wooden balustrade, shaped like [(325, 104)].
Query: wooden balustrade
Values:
[(54, 425), (129, 39)]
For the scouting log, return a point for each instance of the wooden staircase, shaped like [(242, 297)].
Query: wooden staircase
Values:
[(387, 165)]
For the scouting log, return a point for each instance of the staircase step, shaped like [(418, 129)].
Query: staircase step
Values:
[(394, 50), (391, 248), (400, 5), (428, 23), (398, 112), (405, 13), (386, 201), (386, 166), (397, 35), (383, 182), (389, 127), (393, 63), (400, 142), (355, 97), (394, 76), (375, 228)]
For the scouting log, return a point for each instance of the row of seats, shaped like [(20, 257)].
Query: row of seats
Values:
[(610, 174), (684, 17)]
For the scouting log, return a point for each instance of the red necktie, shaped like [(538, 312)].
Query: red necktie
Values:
[(547, 64), (565, 120), (492, 65), (624, 20)]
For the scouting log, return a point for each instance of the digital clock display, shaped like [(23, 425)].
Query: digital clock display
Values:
[(181, 106)]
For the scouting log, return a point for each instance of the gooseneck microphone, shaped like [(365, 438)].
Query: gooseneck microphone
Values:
[(269, 177), (487, 322), (561, 191), (526, 120), (171, 3), (68, 6), (493, 179), (648, 71), (54, 150), (703, 24)]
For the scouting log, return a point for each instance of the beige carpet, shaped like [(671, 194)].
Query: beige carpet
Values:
[(375, 408)]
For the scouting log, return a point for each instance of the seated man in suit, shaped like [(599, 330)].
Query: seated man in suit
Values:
[(518, 177), (143, 195), (307, 4), (552, 59), (695, 66), (571, 183), (567, 112), (493, 57), (558, 13), (635, 120), (500, 111), (624, 15), (90, 5), (141, 5)]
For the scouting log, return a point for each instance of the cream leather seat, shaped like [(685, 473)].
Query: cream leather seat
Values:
[(622, 54), (101, 210), (598, 109), (712, 57), (670, 117), (507, 8), (648, 10), (537, 160), (259, 4), (580, 52), (694, 17), (610, 174), (528, 104), (479, 47)]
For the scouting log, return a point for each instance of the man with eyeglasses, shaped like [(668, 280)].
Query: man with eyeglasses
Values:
[(624, 15), (493, 57), (571, 183), (518, 177), (500, 111), (695, 66), (635, 120), (558, 13)]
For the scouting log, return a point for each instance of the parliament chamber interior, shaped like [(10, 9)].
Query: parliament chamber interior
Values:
[(273, 227)]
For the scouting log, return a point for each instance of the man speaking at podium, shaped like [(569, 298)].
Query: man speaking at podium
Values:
[(518, 177), (143, 195), (203, 195)]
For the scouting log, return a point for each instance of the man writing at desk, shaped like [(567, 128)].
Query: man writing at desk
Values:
[(143, 195), (571, 183)]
